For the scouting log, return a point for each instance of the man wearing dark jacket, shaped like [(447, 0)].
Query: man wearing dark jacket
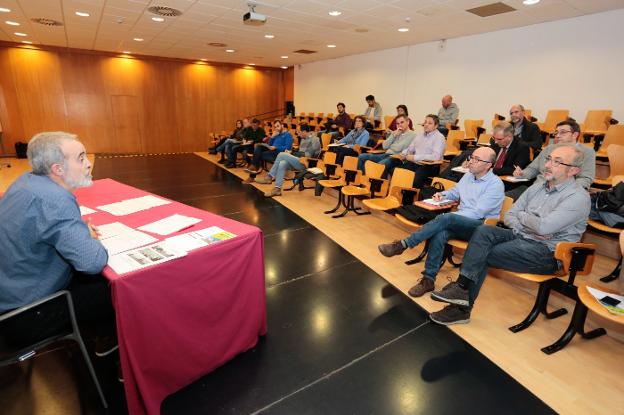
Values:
[(510, 151), (525, 130)]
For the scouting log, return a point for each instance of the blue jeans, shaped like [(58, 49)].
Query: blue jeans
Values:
[(283, 163), (225, 146), (236, 148), (383, 159), (491, 246), (263, 153), (438, 231)]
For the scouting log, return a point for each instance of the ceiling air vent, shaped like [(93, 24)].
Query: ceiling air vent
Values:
[(491, 9), (304, 51), (164, 11), (46, 22), (217, 44)]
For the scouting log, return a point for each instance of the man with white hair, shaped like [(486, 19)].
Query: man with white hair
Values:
[(45, 246)]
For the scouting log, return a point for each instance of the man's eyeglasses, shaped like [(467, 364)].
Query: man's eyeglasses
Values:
[(556, 163), (477, 159), (561, 132)]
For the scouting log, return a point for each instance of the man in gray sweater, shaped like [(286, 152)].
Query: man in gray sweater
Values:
[(566, 133), (396, 142)]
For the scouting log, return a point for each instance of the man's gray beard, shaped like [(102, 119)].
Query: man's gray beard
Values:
[(83, 182)]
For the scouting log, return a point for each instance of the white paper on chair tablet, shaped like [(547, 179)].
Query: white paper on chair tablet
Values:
[(137, 204), (460, 169), (442, 202), (336, 145), (516, 179)]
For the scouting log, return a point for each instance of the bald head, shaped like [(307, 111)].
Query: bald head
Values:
[(516, 113), (447, 100), (481, 161)]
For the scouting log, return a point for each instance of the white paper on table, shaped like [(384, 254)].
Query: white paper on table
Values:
[(126, 241), (186, 242), (112, 229), (143, 257), (170, 224), (516, 179), (598, 295), (129, 206), (86, 211), (460, 169), (214, 234), (439, 203)]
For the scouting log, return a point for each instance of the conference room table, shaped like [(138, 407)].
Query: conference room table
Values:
[(181, 319)]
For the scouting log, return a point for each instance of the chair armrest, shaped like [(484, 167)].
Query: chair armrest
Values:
[(575, 256), (429, 162)]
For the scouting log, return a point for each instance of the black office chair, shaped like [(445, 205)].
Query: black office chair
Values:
[(17, 346)]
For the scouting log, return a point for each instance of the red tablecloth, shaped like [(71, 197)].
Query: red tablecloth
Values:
[(181, 319)]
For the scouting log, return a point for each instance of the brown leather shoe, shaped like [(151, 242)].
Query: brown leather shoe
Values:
[(423, 286), (391, 249), (248, 180)]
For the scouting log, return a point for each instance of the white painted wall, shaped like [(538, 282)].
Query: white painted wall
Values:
[(576, 64)]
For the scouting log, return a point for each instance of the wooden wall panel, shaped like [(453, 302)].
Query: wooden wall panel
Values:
[(125, 105)]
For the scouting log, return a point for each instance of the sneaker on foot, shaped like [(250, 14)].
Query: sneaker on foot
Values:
[(423, 286), (230, 165), (275, 192), (264, 180), (391, 249), (452, 293), (248, 180), (222, 161), (105, 346), (253, 170), (451, 314)]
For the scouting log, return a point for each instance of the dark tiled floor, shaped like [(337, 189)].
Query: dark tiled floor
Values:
[(340, 340)]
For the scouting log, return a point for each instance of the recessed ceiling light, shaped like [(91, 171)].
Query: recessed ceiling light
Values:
[(251, 64), (127, 52), (284, 67), (335, 13), (230, 50), (203, 59), (331, 46), (284, 57), (28, 42), (530, 2), (403, 29), (9, 22), (138, 39), (20, 34), (82, 14), (5, 10), (158, 19), (269, 36)]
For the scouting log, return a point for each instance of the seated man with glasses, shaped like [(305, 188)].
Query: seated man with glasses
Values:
[(481, 195), (567, 133), (552, 210)]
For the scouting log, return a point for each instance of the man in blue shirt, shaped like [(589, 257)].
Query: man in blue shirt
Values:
[(43, 240), (481, 194), (281, 140)]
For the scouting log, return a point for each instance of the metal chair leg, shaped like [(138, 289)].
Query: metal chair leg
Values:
[(614, 275), (346, 209), (540, 306), (577, 325), (340, 202), (421, 256), (87, 360)]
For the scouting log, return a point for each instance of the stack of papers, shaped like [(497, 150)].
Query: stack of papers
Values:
[(442, 202), (117, 237), (129, 206), (193, 240), (613, 309), (171, 224), (143, 257)]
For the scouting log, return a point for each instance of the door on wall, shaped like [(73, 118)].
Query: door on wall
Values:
[(128, 138)]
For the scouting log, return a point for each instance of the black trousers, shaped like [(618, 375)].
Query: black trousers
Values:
[(92, 305)]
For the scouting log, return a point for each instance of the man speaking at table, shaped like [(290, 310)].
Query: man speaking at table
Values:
[(45, 246)]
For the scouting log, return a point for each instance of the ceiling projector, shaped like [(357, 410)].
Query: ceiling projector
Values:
[(252, 18)]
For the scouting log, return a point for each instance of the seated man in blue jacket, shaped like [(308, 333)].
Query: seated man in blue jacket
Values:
[(46, 246), (281, 140)]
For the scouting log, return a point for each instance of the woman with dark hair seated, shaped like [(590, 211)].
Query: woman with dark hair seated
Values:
[(357, 136)]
